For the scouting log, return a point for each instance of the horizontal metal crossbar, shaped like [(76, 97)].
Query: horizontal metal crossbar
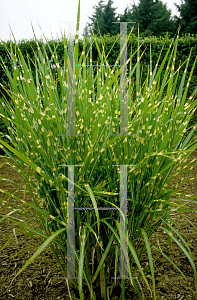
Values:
[(92, 208)]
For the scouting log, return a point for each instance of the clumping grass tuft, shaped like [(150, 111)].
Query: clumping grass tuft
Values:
[(158, 141)]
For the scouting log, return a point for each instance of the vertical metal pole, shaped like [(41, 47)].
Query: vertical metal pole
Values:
[(123, 82), (123, 222), (71, 226)]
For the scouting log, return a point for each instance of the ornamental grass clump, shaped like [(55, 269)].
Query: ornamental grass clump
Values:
[(158, 142)]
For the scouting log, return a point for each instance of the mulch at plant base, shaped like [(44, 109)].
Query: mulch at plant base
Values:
[(40, 279)]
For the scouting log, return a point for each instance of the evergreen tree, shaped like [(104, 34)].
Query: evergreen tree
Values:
[(97, 20), (126, 17), (153, 17), (105, 15), (188, 16), (102, 20), (162, 22), (109, 18)]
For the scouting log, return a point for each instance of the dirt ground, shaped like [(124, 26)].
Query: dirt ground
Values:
[(40, 279)]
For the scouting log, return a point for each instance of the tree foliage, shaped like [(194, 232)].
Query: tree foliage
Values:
[(102, 20), (188, 16), (152, 16)]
